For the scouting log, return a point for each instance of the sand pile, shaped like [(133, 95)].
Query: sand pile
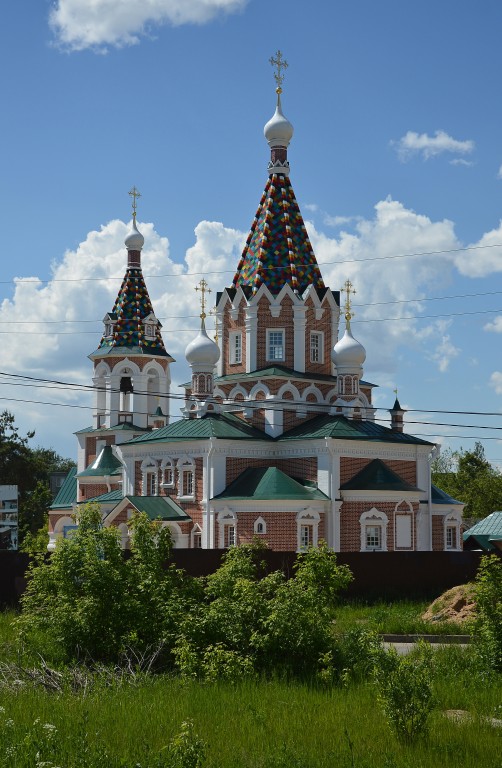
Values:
[(456, 605)]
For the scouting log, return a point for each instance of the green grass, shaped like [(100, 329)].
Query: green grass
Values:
[(400, 617), (265, 725)]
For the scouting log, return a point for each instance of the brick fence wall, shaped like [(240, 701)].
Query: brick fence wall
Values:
[(376, 574)]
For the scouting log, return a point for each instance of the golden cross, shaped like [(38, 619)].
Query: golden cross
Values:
[(134, 194), (348, 288), (204, 288), (280, 63), (214, 314)]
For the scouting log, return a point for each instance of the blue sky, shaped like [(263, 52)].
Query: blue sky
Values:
[(397, 150)]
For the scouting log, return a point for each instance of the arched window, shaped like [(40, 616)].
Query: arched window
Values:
[(260, 526), (167, 473), (150, 477), (307, 521)]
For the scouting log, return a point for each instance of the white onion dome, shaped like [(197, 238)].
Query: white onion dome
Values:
[(202, 351), (278, 131), (134, 240), (348, 352)]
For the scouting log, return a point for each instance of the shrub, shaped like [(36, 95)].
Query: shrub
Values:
[(404, 691), (488, 593)]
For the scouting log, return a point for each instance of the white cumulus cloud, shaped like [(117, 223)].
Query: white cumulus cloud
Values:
[(495, 325), (496, 381), (413, 143), (81, 24)]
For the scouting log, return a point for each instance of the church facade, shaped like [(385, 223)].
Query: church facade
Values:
[(278, 437)]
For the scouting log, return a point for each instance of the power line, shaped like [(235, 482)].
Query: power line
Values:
[(230, 271), (188, 317)]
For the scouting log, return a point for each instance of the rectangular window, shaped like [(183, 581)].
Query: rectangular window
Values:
[(235, 347), (275, 345), (373, 537), (230, 535), (403, 531), (306, 536), (451, 537), (316, 347), (197, 541), (188, 483), (151, 484)]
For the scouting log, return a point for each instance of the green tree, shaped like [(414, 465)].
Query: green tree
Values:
[(29, 469), (89, 601), (488, 593), (469, 477)]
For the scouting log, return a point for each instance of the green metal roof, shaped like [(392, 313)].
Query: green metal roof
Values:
[(269, 483), (377, 476), (277, 372), (339, 427), (441, 497), (67, 495), (104, 465), (486, 531), (158, 507), (106, 497), (124, 426), (223, 426)]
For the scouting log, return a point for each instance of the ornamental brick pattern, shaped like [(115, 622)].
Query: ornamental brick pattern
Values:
[(350, 526)]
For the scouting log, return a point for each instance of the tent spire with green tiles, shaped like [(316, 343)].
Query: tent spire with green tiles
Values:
[(278, 250)]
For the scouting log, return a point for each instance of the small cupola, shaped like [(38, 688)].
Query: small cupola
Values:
[(278, 131), (396, 416), (202, 354), (348, 354)]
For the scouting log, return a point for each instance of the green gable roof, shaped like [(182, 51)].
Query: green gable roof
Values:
[(224, 426), (377, 476), (339, 427), (67, 494), (106, 497), (269, 483), (158, 507), (441, 497), (104, 465), (486, 531)]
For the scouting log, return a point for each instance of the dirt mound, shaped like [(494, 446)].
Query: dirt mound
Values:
[(456, 605)]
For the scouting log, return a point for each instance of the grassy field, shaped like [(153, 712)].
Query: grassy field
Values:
[(399, 617), (253, 724)]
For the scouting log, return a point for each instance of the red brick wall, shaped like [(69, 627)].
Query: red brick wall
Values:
[(351, 465), (350, 527), (437, 533), (233, 325), (282, 529), (305, 468), (324, 325)]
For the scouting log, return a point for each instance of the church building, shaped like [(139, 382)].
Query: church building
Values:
[(278, 437)]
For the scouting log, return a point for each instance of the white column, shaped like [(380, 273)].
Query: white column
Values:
[(251, 338), (274, 421), (424, 520), (113, 398), (140, 399), (299, 324)]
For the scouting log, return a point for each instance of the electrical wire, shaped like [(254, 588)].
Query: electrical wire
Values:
[(230, 271)]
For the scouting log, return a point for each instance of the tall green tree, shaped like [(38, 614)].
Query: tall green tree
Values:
[(469, 477), (28, 468)]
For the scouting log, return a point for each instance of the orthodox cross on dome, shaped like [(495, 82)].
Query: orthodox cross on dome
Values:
[(348, 288), (395, 392), (134, 193), (280, 64), (214, 314), (204, 288)]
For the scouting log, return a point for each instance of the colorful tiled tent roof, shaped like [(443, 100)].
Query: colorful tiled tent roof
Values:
[(377, 476), (131, 307), (269, 483), (278, 250)]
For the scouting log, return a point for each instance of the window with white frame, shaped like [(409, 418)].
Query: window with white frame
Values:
[(373, 537), (151, 483), (451, 537), (452, 532), (108, 329), (259, 526), (149, 330), (235, 341), (230, 536), (197, 540), (187, 479), (317, 347), (307, 521), (373, 530), (167, 473), (275, 344), (306, 535)]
